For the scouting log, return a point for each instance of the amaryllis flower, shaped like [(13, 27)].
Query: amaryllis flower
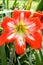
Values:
[(21, 29), (40, 15)]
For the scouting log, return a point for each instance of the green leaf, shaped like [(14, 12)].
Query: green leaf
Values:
[(40, 6), (3, 55), (41, 55), (14, 5), (34, 5)]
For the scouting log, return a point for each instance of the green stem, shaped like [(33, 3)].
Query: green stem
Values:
[(37, 58), (30, 57), (12, 55), (28, 5), (18, 62), (7, 4), (3, 55), (4, 4), (14, 5), (41, 57)]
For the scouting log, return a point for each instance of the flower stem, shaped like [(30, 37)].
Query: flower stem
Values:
[(37, 58), (41, 57), (28, 5), (7, 4), (4, 4), (3, 55)]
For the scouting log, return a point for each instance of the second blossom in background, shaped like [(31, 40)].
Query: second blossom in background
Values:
[(40, 15)]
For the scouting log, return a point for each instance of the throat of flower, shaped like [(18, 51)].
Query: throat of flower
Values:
[(21, 27)]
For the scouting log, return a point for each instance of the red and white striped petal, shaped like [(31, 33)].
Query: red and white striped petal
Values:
[(16, 14), (38, 14), (34, 40), (27, 14), (7, 37), (3, 38), (42, 26), (8, 24), (20, 46), (33, 24)]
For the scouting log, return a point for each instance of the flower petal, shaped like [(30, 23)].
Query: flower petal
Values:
[(38, 14), (42, 26), (20, 46), (34, 40), (27, 14), (1, 41), (7, 37), (8, 24), (3, 38), (34, 24), (16, 14)]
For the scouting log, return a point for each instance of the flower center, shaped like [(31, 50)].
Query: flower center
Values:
[(21, 28)]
